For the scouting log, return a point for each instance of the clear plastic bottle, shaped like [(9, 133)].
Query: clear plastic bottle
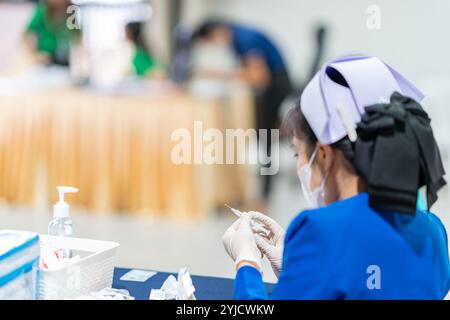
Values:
[(61, 223), (60, 226)]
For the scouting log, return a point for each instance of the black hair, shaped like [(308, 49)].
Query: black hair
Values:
[(296, 125), (134, 30), (207, 27)]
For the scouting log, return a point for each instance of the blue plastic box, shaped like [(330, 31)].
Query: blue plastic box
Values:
[(19, 265)]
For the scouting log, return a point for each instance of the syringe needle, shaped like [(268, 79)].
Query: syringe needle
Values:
[(235, 211)]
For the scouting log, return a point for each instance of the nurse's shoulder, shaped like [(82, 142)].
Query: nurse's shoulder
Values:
[(429, 223), (339, 218), (333, 218)]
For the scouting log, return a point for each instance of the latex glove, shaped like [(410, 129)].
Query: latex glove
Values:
[(239, 242), (270, 245)]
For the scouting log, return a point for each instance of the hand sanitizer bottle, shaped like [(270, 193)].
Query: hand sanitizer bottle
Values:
[(61, 224)]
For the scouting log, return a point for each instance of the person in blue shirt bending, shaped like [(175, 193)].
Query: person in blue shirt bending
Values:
[(262, 67), (364, 147)]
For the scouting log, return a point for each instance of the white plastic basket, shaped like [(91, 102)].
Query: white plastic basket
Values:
[(93, 272)]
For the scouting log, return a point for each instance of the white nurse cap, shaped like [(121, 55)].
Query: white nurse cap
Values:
[(333, 110)]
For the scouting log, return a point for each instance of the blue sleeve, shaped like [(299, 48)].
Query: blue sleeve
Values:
[(445, 252), (248, 48), (247, 42), (308, 268), (308, 264), (447, 286), (249, 285)]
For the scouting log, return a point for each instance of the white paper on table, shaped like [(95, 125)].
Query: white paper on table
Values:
[(137, 275), (180, 288)]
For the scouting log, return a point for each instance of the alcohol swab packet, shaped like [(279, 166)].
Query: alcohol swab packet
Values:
[(137, 275), (256, 227), (157, 294)]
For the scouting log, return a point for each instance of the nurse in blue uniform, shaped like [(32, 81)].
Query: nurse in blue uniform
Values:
[(364, 148)]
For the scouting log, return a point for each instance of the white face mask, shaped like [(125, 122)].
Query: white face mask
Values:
[(316, 197)]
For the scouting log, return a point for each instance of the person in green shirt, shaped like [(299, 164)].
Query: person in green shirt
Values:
[(47, 33), (143, 63)]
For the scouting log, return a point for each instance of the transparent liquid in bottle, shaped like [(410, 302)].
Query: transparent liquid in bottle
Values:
[(61, 227)]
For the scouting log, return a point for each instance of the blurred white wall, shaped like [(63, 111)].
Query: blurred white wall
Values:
[(157, 30), (14, 17), (411, 38)]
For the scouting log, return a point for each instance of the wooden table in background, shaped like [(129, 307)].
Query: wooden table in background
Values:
[(117, 150)]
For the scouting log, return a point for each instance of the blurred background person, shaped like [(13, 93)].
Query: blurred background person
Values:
[(262, 67), (144, 64), (47, 35)]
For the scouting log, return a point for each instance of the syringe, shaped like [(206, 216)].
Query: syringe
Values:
[(256, 227)]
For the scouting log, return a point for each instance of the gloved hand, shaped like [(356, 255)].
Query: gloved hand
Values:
[(239, 243), (272, 244)]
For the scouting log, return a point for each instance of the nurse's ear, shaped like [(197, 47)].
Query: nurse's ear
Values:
[(325, 157)]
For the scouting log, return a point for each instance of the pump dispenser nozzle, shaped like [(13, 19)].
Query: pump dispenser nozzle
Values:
[(61, 209)]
